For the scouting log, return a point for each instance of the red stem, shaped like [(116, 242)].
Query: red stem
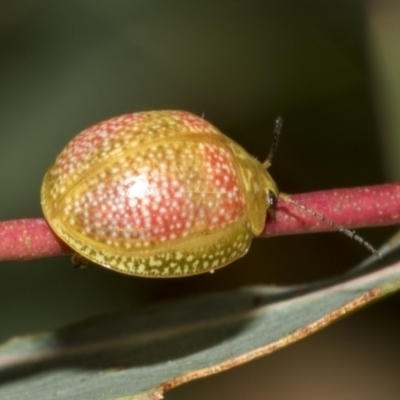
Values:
[(352, 208), (23, 239)]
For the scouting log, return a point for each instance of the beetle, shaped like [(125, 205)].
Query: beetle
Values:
[(157, 194)]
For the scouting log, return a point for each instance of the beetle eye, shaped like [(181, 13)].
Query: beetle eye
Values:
[(271, 200)]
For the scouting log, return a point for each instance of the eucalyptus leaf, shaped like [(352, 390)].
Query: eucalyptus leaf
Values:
[(141, 355)]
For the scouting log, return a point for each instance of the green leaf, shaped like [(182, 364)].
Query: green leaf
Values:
[(142, 355)]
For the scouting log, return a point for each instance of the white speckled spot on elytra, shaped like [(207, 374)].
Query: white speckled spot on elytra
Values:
[(141, 269), (155, 263)]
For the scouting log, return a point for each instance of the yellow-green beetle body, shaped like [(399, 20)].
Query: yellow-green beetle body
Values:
[(157, 194)]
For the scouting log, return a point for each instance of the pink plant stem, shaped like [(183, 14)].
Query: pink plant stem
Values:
[(23, 239), (352, 208)]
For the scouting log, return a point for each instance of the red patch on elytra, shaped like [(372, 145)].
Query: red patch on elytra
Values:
[(146, 207), (89, 140), (222, 177)]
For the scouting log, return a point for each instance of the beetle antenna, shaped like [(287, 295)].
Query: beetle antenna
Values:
[(351, 234), (275, 140), (347, 232)]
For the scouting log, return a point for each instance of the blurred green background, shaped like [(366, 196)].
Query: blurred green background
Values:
[(331, 69)]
